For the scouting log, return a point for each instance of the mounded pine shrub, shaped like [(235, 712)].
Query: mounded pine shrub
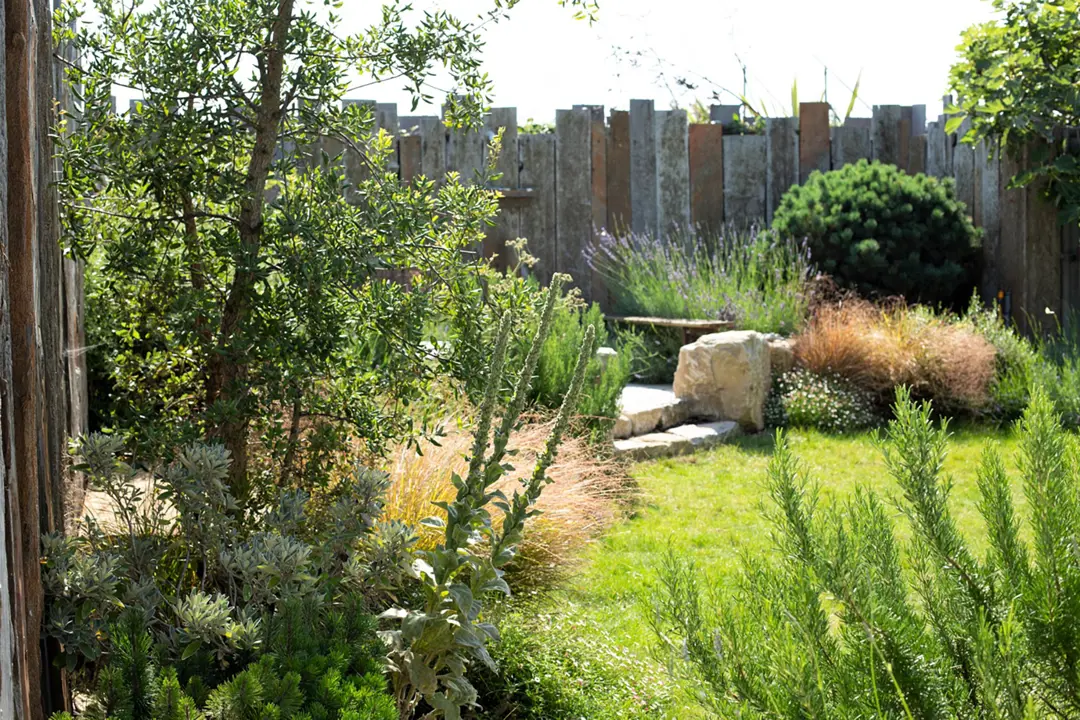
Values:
[(882, 232)]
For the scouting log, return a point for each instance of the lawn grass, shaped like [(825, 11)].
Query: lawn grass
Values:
[(708, 507)]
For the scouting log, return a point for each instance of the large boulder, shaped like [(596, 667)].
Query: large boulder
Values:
[(726, 376), (781, 355)]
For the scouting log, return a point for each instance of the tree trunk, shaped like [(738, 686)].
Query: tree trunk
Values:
[(228, 372)]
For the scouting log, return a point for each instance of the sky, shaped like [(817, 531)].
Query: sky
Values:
[(541, 59)]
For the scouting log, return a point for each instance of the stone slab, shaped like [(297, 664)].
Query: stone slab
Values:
[(677, 441), (651, 407)]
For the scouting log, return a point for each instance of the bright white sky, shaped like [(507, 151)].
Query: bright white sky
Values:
[(541, 59)]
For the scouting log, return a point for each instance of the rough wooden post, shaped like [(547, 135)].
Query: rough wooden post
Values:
[(1043, 256), (599, 140), (464, 152), (410, 154), (813, 139), (707, 177), (506, 165), (782, 160), (744, 179), (964, 169), (573, 193), (990, 219), (937, 150), (672, 170), (618, 172), (885, 134), (21, 395), (905, 137), (537, 173), (850, 144), (916, 154), (356, 166), (643, 166), (1013, 239)]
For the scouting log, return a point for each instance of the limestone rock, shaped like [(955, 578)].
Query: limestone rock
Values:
[(624, 427), (726, 376), (781, 355), (650, 407)]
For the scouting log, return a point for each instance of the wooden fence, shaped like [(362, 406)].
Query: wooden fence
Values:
[(42, 374), (649, 170)]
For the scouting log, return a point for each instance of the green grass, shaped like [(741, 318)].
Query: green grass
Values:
[(708, 507)]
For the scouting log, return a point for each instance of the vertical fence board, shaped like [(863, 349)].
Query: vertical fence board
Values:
[(410, 155), (917, 154), (707, 176), (918, 120), (905, 137), (937, 150), (744, 179), (673, 170), (432, 148), (618, 172), (504, 118), (782, 159), (537, 173), (1043, 277), (850, 144), (464, 152), (599, 140), (386, 120), (813, 139), (643, 166), (573, 193), (885, 134), (990, 220), (964, 170), (1012, 242), (356, 169)]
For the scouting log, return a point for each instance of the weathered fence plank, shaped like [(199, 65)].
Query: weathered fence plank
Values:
[(618, 172), (505, 119), (918, 120), (672, 170), (432, 148), (813, 139), (573, 193), (537, 216), (916, 154), (1013, 239), (885, 134), (410, 156), (707, 176), (744, 179), (356, 167), (850, 144), (989, 218), (598, 138), (1043, 258), (643, 194), (905, 137), (938, 145), (964, 170), (782, 159)]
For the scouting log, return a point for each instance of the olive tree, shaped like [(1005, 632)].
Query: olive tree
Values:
[(239, 286), (1018, 81)]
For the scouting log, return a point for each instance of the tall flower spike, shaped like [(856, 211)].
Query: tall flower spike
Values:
[(569, 405), (487, 408), (502, 435)]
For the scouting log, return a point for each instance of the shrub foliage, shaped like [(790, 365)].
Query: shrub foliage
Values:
[(882, 232), (848, 622)]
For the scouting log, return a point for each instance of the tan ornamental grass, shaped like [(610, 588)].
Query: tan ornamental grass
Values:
[(587, 494)]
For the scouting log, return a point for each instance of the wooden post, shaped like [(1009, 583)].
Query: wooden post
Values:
[(21, 395), (885, 134), (619, 215), (506, 165), (643, 166), (744, 179), (573, 193), (782, 161), (707, 177), (850, 144), (672, 170), (813, 139), (537, 173)]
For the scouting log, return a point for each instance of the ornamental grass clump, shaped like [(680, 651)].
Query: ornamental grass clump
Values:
[(878, 348), (845, 620), (755, 279)]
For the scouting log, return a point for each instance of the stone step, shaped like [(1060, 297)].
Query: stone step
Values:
[(646, 408), (678, 440)]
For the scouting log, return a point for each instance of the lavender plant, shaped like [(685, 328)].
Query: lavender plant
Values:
[(754, 278), (435, 642)]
